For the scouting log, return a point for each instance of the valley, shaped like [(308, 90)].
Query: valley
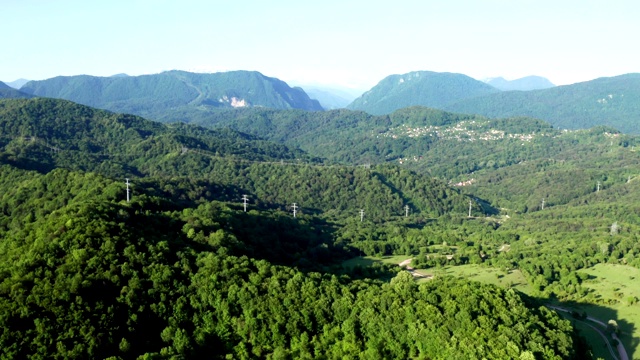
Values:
[(497, 220), (284, 180)]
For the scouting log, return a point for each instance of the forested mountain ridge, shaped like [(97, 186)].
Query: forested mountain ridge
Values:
[(419, 88), (44, 134), (612, 101), (512, 163), (59, 133), (152, 95), (355, 136)]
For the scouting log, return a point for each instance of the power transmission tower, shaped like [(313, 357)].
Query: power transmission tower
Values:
[(470, 202), (295, 209), (542, 204), (244, 200), (406, 211), (128, 191), (598, 187), (361, 215)]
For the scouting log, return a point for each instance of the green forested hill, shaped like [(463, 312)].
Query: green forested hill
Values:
[(153, 95), (182, 271), (345, 135), (44, 134), (419, 88), (610, 101), (61, 133), (512, 163), (103, 278)]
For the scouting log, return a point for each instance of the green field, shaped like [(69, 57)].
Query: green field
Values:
[(613, 286), (484, 274), (369, 260)]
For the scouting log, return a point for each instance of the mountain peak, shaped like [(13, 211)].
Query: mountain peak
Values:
[(424, 88), (17, 84), (523, 84)]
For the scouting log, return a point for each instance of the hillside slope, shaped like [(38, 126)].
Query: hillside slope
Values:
[(44, 134), (512, 162)]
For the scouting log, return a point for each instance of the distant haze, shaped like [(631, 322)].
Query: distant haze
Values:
[(352, 44), (17, 84), (523, 84)]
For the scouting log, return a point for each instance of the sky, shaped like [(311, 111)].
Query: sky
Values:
[(348, 44)]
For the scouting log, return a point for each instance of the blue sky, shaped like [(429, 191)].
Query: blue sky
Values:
[(343, 43)]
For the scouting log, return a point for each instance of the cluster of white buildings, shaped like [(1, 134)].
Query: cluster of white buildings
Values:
[(463, 131)]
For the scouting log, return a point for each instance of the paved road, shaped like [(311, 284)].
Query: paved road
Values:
[(622, 352)]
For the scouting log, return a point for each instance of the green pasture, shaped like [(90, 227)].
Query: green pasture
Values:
[(616, 290)]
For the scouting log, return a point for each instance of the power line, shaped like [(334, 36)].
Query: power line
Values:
[(128, 191), (244, 200)]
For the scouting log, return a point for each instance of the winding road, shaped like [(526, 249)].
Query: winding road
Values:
[(622, 352)]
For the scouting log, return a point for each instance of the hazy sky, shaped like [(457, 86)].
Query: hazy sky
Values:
[(348, 43)]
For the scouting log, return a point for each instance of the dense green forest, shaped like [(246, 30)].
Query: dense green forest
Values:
[(182, 270), (512, 163)]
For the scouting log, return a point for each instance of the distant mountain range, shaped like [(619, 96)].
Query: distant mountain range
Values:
[(17, 84), (179, 92), (523, 84), (7, 92), (191, 97), (330, 98), (611, 101)]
